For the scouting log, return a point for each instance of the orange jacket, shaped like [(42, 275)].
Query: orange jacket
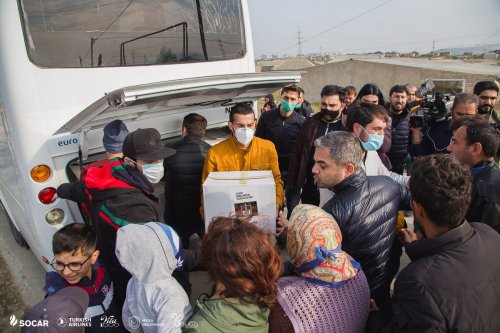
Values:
[(229, 156)]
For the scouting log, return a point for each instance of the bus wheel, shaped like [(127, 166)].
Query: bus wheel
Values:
[(15, 233)]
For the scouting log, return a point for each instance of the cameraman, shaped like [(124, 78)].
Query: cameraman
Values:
[(435, 136)]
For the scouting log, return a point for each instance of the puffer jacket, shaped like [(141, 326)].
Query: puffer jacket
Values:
[(183, 186), (400, 139), (366, 210)]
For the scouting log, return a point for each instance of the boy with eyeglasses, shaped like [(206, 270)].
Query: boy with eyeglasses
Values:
[(75, 264)]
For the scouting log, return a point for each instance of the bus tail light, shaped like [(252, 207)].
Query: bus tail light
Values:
[(47, 195), (40, 173), (54, 216)]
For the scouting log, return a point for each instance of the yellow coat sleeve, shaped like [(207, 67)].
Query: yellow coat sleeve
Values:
[(273, 161)]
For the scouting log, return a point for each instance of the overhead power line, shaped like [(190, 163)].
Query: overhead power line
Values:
[(336, 26)]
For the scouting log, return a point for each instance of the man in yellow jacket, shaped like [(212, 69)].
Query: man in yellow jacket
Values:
[(244, 152)]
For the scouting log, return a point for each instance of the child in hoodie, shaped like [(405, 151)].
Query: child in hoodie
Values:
[(155, 301)]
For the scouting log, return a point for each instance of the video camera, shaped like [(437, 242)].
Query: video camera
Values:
[(430, 110)]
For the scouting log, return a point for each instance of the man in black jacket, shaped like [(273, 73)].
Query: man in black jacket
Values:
[(452, 283), (301, 160), (282, 127), (366, 209), (400, 116), (474, 143), (304, 107), (183, 179)]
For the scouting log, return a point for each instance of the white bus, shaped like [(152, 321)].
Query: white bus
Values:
[(69, 67)]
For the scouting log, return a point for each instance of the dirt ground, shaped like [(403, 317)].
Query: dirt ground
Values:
[(10, 299)]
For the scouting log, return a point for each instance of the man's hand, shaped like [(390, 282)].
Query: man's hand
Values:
[(373, 305), (283, 222), (416, 134), (406, 236)]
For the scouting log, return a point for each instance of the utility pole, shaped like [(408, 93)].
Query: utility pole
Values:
[(433, 44), (299, 38)]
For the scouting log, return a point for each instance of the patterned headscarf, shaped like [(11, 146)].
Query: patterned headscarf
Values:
[(314, 245)]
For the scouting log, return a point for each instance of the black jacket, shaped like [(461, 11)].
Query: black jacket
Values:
[(281, 131), (303, 150), (400, 139), (485, 201), (451, 285), (366, 210), (435, 140), (183, 186)]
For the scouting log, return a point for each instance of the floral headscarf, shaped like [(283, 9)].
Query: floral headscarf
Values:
[(314, 245)]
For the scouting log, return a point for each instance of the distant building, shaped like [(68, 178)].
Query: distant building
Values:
[(445, 54), (413, 54), (392, 54), (491, 55)]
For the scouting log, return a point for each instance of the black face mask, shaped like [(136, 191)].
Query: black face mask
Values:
[(329, 115)]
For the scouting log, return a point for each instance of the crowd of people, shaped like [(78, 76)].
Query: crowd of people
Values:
[(343, 176)]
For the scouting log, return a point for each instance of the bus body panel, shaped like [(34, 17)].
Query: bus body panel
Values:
[(35, 102)]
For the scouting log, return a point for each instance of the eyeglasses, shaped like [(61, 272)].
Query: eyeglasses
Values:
[(73, 266)]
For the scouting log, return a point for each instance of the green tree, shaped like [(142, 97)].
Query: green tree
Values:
[(166, 56)]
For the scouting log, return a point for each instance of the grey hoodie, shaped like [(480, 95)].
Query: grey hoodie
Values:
[(155, 301)]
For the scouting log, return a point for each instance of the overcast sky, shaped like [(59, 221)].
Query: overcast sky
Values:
[(342, 26)]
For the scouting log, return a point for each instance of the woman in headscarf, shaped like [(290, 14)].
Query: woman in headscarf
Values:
[(330, 293)]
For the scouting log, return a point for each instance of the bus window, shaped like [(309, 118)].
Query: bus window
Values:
[(100, 33)]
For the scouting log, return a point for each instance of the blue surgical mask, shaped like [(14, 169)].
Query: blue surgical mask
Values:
[(287, 106), (153, 172), (374, 141)]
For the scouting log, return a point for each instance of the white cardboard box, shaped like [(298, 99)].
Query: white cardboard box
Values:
[(242, 194)]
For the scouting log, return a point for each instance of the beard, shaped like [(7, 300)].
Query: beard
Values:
[(485, 109)]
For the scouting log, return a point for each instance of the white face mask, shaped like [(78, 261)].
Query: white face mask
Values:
[(153, 172), (244, 135)]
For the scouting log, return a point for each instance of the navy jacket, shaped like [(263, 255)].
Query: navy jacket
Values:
[(366, 210), (400, 139)]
